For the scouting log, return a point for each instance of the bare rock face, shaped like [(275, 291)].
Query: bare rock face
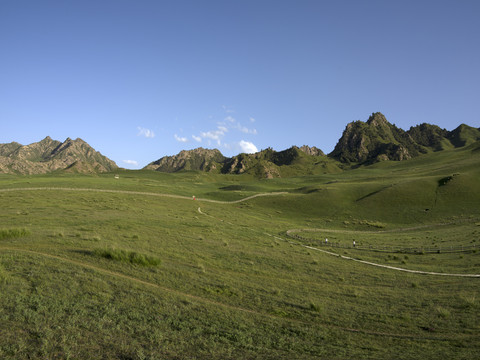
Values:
[(267, 163), (51, 155), (362, 143), (312, 151), (196, 159)]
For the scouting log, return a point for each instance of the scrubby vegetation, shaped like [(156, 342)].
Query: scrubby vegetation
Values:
[(13, 233), (127, 257)]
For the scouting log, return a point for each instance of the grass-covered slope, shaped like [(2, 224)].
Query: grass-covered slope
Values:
[(99, 267)]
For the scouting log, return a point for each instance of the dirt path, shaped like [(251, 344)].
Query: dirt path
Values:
[(212, 302), (354, 259), (238, 201), (128, 192), (386, 266)]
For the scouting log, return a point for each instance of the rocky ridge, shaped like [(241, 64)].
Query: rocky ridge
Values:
[(267, 163), (378, 140), (51, 155), (196, 159), (362, 143)]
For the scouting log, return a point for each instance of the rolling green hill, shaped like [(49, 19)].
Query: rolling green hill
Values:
[(132, 267)]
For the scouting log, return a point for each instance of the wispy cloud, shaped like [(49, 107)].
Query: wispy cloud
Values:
[(227, 109), (232, 123), (180, 139), (145, 132), (246, 130), (229, 125), (215, 135), (247, 147), (130, 162)]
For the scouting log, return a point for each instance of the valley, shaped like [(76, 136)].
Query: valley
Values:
[(192, 264)]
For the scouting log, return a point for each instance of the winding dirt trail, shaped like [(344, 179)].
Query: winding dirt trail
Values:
[(209, 301), (387, 266), (129, 192), (358, 260)]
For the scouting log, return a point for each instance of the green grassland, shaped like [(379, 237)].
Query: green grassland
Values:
[(123, 272)]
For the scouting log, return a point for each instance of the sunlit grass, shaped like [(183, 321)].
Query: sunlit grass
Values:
[(133, 276)]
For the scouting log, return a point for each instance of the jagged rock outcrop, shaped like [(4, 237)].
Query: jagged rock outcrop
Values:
[(375, 140), (313, 151), (378, 140), (51, 155), (267, 163), (196, 159), (362, 143)]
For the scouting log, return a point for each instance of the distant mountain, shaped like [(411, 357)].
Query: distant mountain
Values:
[(51, 155), (362, 143), (430, 136), (374, 140), (267, 163), (378, 140), (196, 159)]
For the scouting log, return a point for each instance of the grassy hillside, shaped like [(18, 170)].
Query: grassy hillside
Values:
[(126, 273)]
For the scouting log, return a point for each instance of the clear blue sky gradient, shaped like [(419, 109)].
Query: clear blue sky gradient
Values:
[(139, 80)]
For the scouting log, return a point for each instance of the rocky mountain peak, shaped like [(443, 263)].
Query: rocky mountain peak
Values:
[(374, 140), (195, 159), (50, 155), (377, 119)]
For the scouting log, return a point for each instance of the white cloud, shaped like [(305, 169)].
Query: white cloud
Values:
[(228, 124), (145, 132), (131, 162), (215, 134), (247, 147), (180, 139)]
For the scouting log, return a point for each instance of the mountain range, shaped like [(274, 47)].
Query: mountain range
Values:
[(362, 143), (378, 140)]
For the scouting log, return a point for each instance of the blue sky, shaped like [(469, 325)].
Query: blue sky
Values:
[(139, 80)]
